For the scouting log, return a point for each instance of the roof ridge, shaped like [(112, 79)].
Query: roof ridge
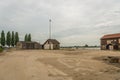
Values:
[(112, 34)]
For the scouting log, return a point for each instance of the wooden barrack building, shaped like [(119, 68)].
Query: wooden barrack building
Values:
[(28, 45)]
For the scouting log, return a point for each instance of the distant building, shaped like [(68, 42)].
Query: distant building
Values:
[(28, 45), (51, 44), (110, 42)]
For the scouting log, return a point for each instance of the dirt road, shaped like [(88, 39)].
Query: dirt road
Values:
[(57, 65)]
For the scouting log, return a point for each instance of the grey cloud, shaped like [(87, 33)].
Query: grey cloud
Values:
[(70, 18)]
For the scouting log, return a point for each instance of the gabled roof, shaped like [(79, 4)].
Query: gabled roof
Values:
[(54, 41), (110, 36)]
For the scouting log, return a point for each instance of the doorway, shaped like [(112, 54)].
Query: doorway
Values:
[(108, 46)]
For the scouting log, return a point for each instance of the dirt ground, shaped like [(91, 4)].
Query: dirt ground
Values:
[(57, 65)]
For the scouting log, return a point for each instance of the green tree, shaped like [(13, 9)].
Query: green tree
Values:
[(2, 38), (26, 38), (16, 37), (29, 37), (8, 38), (13, 39)]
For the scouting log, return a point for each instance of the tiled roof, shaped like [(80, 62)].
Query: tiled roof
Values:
[(110, 36)]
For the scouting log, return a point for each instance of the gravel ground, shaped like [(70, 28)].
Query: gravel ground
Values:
[(57, 65)]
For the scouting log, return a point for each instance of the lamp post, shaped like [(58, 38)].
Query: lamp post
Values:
[(50, 28), (50, 33)]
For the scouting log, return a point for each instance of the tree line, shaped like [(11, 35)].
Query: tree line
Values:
[(11, 39)]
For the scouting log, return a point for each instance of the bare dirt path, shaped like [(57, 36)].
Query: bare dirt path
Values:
[(21, 66), (57, 65)]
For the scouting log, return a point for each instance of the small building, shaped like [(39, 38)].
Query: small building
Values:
[(110, 42), (51, 44), (28, 45)]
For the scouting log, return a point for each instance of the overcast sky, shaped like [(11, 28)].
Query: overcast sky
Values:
[(74, 22)]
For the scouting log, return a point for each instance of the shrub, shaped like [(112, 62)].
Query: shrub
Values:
[(86, 45), (1, 49)]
